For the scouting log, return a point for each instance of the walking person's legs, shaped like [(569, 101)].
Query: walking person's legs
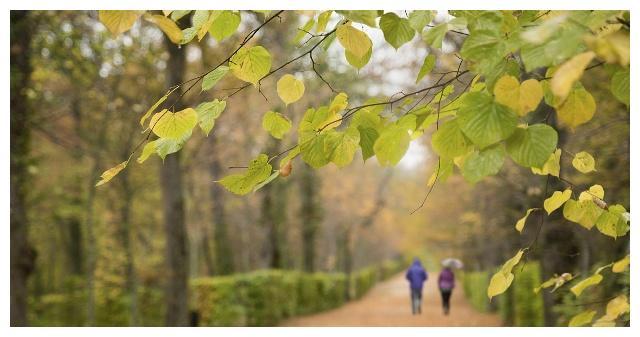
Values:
[(414, 307), (446, 296)]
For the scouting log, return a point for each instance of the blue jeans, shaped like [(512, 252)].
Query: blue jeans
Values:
[(416, 299)]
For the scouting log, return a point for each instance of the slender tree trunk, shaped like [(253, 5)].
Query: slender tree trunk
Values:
[(22, 253), (125, 233), (222, 245), (176, 294), (310, 215)]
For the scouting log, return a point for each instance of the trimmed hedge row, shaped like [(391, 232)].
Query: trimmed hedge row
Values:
[(519, 305)]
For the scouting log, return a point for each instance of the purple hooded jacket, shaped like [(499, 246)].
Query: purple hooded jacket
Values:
[(446, 280), (416, 275)]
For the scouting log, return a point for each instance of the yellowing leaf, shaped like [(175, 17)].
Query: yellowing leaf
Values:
[(568, 73), (556, 200), (577, 109), (501, 280), (353, 40), (612, 48), (251, 64), (584, 162), (168, 26), (594, 191), (357, 62), (584, 212), (166, 124), (340, 146), (147, 150), (208, 112), (621, 265), (276, 124), (339, 103), (582, 318), (224, 24), (118, 22), (290, 89), (520, 223), (616, 307), (110, 173), (588, 282), (521, 98), (551, 166), (154, 107)]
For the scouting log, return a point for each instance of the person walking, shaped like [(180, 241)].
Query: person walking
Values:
[(416, 275), (446, 283)]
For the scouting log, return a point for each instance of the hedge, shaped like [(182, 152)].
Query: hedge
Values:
[(519, 305)]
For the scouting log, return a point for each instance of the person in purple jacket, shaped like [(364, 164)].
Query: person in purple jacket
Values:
[(446, 283), (417, 275)]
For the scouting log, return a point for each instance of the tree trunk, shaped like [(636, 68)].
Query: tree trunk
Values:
[(125, 237), (22, 253), (176, 295), (222, 245), (310, 215)]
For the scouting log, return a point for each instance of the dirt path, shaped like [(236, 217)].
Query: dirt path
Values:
[(387, 304)]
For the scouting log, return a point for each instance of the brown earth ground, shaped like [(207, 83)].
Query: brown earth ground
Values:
[(387, 304)]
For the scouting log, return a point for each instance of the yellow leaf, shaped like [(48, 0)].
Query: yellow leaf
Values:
[(118, 21), (617, 307), (353, 40), (290, 89), (173, 32), (166, 12), (501, 280), (339, 103), (154, 107), (551, 166), (521, 222), (577, 109), (521, 98), (594, 191), (584, 162), (166, 124), (110, 173), (568, 73), (556, 200), (588, 282), (582, 318), (621, 265), (612, 47)]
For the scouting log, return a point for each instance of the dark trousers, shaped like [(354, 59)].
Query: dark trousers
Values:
[(416, 299), (446, 295)]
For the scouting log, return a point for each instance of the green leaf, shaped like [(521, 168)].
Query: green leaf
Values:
[(485, 49), (323, 19), (501, 280), (177, 15), (582, 318), (397, 31), (224, 25), (201, 21), (110, 173), (368, 17), (313, 150), (521, 222), (208, 112), (449, 141), (118, 22), (485, 122), (167, 146), (358, 62), (368, 137), (341, 146), (259, 170), (612, 222), (271, 178), (290, 89), (210, 80), (532, 146), (391, 145), (480, 164), (251, 64), (620, 85), (419, 19), (354, 40), (166, 124), (584, 284), (147, 150), (556, 200), (302, 31), (427, 66), (434, 36), (584, 162), (276, 124)]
